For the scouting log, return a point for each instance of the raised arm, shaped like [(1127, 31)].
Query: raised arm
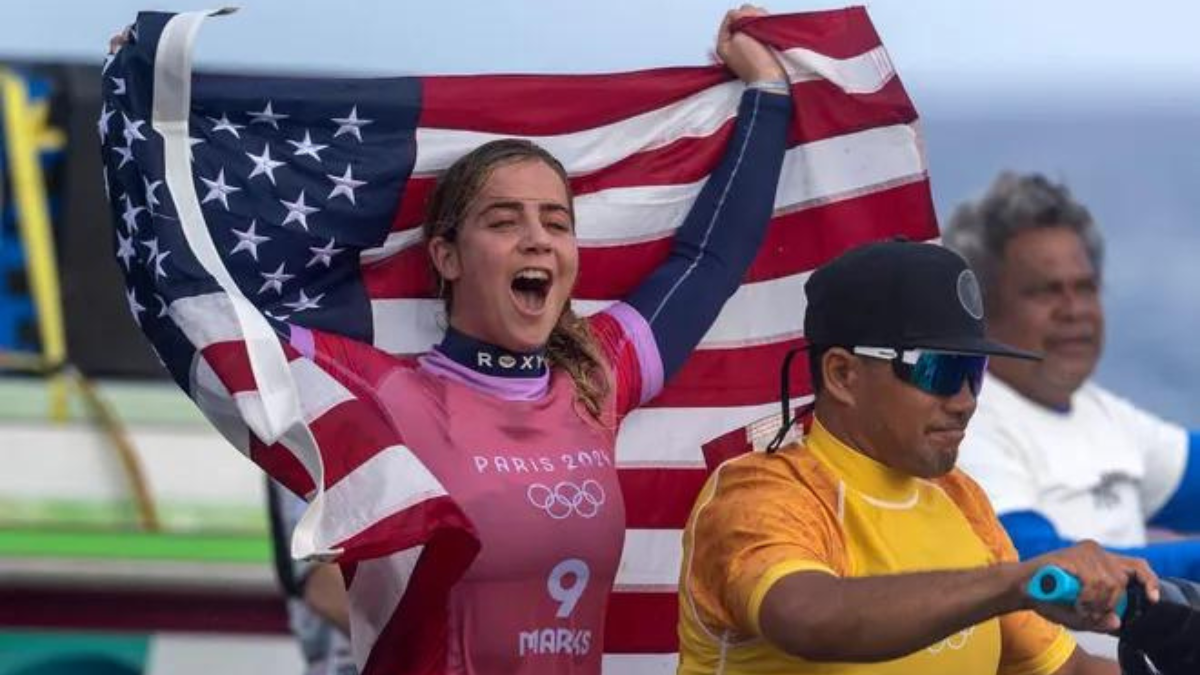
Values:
[(721, 235)]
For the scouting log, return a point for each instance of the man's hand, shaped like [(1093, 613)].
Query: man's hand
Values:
[(1103, 578)]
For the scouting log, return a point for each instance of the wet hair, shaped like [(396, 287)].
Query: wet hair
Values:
[(571, 346), (980, 230)]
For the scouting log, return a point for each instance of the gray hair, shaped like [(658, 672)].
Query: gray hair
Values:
[(979, 230)]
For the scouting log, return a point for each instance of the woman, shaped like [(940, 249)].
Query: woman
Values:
[(516, 411)]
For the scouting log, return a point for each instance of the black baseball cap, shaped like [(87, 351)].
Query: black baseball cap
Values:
[(903, 295)]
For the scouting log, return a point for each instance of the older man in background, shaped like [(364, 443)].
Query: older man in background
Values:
[(1062, 458)]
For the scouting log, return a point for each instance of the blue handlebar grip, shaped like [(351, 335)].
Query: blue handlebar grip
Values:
[(1054, 584)]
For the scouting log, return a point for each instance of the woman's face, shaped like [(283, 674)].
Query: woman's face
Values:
[(514, 262)]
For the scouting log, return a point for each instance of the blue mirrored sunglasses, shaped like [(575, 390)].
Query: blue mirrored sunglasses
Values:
[(937, 373)]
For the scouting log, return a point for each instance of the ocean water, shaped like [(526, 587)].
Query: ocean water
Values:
[(1138, 171)]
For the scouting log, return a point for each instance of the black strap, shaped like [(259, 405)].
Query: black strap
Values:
[(785, 398)]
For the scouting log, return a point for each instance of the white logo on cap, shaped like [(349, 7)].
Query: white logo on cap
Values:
[(969, 294)]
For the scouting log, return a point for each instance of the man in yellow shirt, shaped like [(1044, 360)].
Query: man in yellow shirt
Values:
[(863, 550)]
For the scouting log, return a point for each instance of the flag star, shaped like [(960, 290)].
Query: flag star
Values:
[(130, 214), (345, 185), (263, 164), (267, 116), (274, 280), (125, 249), (158, 260), (132, 130), (298, 211), (118, 86), (218, 190), (224, 124), (151, 200), (152, 246), (323, 254), (351, 125), (307, 147), (135, 308), (108, 60), (126, 154), (102, 126), (163, 311), (248, 240), (305, 302)]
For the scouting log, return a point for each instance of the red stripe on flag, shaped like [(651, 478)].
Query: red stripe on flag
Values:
[(282, 465), (405, 274), (352, 433), (748, 376), (230, 361), (641, 622), (659, 498), (414, 526), (840, 33), (414, 202), (542, 105), (795, 242), (415, 639), (803, 240), (824, 111)]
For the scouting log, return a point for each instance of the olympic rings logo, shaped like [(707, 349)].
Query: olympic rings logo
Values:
[(566, 499), (954, 642)]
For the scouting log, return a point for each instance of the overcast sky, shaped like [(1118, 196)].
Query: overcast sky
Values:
[(967, 46)]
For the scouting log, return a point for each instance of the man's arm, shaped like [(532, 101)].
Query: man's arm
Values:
[(1181, 512), (821, 617), (1034, 534)]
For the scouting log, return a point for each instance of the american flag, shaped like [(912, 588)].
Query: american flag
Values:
[(245, 204)]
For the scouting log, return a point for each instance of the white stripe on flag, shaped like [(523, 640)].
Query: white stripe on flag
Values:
[(206, 320), (321, 392), (650, 560), (813, 173), (674, 437), (640, 664), (863, 74), (386, 484), (412, 326), (213, 399)]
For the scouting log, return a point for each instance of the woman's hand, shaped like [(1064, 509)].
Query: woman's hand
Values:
[(119, 40), (748, 58)]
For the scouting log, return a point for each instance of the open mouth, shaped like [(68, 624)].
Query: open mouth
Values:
[(530, 287)]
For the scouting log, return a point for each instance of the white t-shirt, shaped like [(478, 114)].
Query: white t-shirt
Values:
[(1098, 471)]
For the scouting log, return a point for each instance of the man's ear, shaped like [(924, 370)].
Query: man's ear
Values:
[(841, 374), (444, 254)]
